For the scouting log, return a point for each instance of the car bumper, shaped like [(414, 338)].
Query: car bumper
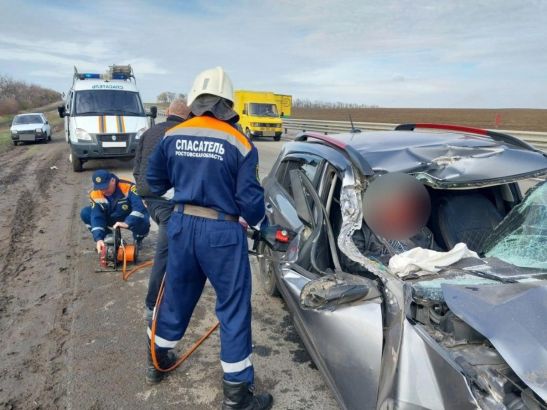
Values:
[(28, 137), (96, 151), (266, 133)]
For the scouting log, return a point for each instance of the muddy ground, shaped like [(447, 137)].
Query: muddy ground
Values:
[(74, 338)]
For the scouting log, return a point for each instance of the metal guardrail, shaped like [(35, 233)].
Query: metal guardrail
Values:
[(537, 139)]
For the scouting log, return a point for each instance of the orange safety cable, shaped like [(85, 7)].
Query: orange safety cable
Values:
[(188, 353)]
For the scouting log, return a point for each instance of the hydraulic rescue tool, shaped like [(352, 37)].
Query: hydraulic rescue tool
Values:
[(117, 253)]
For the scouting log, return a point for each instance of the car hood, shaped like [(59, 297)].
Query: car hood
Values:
[(513, 317), (26, 127)]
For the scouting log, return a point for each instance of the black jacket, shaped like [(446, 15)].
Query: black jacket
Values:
[(147, 143)]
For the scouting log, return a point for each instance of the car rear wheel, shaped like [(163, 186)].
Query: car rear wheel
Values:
[(15, 143), (277, 137), (49, 137), (267, 269)]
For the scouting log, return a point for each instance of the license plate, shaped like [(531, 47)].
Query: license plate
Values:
[(27, 137), (268, 133), (112, 144)]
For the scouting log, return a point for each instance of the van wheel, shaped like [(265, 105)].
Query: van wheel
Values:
[(77, 164), (248, 133)]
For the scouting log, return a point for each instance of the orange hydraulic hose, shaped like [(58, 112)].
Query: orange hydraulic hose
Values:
[(188, 353), (193, 348), (127, 274)]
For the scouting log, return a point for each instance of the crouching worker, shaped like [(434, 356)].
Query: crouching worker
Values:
[(114, 203)]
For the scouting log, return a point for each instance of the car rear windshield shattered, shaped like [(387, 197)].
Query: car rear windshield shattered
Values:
[(521, 238)]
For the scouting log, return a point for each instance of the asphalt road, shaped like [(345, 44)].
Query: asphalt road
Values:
[(74, 337)]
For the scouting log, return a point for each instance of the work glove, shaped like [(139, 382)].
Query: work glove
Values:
[(100, 246)]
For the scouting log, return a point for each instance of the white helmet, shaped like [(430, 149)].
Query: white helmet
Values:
[(214, 81)]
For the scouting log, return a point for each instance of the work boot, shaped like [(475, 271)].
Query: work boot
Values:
[(166, 358), (240, 395)]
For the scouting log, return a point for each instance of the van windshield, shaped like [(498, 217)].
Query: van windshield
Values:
[(107, 102), (263, 110)]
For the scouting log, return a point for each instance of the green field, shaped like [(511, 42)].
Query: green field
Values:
[(5, 141)]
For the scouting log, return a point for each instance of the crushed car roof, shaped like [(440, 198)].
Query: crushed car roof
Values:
[(441, 157)]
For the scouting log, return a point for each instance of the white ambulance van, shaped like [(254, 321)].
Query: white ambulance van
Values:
[(104, 115)]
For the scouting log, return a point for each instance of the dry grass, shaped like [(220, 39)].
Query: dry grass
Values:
[(511, 119)]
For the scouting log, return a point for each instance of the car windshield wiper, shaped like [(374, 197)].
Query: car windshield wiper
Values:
[(132, 113), (487, 275), (121, 112)]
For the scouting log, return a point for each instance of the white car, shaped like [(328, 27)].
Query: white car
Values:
[(31, 127)]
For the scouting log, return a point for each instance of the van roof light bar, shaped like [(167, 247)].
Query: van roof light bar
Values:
[(496, 136), (356, 159), (114, 72)]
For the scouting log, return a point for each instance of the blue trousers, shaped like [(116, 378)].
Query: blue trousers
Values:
[(201, 249), (139, 231)]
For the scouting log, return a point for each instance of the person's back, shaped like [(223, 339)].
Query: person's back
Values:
[(176, 113), (228, 181)]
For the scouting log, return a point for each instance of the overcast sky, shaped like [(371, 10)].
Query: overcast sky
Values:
[(400, 53)]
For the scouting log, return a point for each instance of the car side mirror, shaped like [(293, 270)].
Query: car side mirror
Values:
[(153, 112), (62, 111), (47, 122), (330, 291)]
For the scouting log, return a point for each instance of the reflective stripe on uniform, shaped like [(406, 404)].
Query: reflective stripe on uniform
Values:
[(161, 342), (137, 214), (97, 228), (212, 128), (237, 366)]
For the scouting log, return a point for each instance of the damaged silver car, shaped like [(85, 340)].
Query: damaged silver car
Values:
[(470, 334)]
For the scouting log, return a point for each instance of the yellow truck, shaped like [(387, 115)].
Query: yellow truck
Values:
[(258, 114), (284, 105)]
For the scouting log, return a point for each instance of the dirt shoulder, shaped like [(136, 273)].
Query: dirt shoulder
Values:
[(34, 274)]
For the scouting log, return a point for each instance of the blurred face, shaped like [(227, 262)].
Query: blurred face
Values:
[(396, 206), (111, 188)]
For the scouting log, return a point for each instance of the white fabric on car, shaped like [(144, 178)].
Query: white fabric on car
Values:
[(424, 261)]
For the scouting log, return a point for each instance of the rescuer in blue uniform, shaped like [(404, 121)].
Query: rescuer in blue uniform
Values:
[(213, 169), (114, 203)]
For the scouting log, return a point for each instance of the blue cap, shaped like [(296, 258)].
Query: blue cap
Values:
[(101, 178)]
